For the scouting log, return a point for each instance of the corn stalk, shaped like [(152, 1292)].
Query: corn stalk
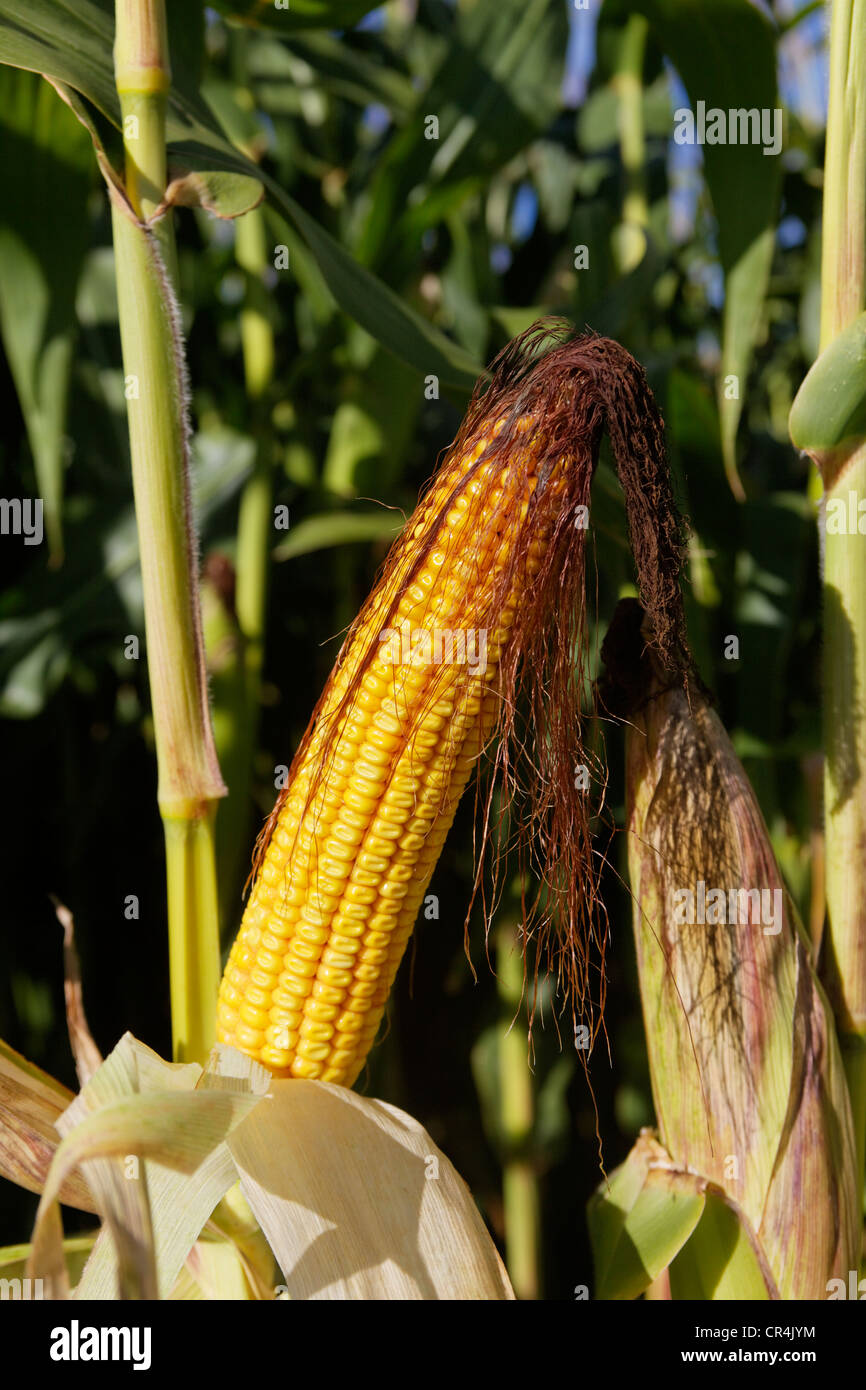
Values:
[(827, 421), (843, 294), (190, 784)]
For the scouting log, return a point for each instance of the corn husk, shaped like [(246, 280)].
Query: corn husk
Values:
[(746, 1071)]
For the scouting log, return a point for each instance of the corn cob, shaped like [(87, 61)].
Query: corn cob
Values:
[(746, 1070), (347, 855)]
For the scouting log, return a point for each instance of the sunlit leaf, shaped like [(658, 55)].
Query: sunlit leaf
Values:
[(358, 1202), (72, 44), (640, 1219)]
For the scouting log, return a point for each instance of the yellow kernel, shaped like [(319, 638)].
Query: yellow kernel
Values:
[(389, 907), (340, 960), (269, 961), (320, 1011), (255, 1016), (327, 993), (405, 783), (283, 1017), (357, 911), (400, 873), (312, 1051), (344, 1057), (381, 829), (387, 724), (362, 989), (298, 968), (357, 893), (231, 995), (377, 759), (369, 974), (419, 827), (347, 834), (395, 891), (374, 940), (350, 1021), (382, 924), (372, 863), (338, 979), (275, 1058), (305, 1069), (281, 1036), (340, 853), (302, 958), (364, 879), (315, 1032), (310, 934), (346, 927), (248, 1039), (226, 1016), (338, 870)]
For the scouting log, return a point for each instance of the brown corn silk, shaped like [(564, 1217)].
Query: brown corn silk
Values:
[(746, 1072), (496, 545)]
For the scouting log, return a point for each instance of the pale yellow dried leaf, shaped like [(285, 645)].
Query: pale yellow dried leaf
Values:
[(30, 1103), (357, 1201), (182, 1196), (117, 1121)]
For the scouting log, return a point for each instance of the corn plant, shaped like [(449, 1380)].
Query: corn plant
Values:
[(473, 660)]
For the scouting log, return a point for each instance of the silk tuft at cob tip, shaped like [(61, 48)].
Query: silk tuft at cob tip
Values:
[(471, 652)]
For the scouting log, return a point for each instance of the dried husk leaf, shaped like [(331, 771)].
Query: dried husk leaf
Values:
[(746, 1072), (30, 1103), (88, 1058), (135, 1107), (357, 1202)]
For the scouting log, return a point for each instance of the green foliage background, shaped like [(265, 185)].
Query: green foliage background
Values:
[(475, 233)]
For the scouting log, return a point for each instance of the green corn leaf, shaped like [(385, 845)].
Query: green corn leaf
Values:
[(829, 410), (47, 164), (71, 43), (706, 40), (640, 1219), (338, 528), (721, 1261)]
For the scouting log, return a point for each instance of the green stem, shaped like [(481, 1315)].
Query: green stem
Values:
[(843, 290), (520, 1195), (190, 784), (193, 939), (845, 789)]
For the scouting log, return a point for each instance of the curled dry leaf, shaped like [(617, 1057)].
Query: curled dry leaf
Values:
[(88, 1058), (31, 1102), (135, 1108)]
